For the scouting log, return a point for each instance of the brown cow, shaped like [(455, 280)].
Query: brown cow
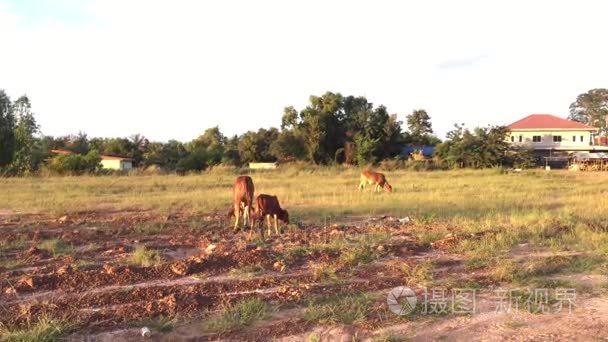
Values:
[(376, 178), (242, 200), (267, 206)]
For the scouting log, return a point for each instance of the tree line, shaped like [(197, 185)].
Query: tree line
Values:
[(330, 129)]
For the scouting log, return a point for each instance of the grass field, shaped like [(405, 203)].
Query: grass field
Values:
[(158, 250), (315, 193)]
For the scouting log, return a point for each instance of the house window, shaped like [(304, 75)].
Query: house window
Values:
[(582, 138), (512, 138), (557, 138), (574, 138), (536, 138), (520, 138)]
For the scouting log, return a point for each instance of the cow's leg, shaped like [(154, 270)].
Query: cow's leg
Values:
[(268, 225), (252, 218), (237, 214), (261, 227), (249, 220), (246, 217), (276, 224)]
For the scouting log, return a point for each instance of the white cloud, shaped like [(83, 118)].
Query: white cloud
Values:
[(170, 69)]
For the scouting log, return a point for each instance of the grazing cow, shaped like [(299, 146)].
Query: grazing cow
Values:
[(242, 200), (267, 206), (376, 178)]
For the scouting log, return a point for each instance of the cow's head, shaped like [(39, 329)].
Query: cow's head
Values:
[(283, 216)]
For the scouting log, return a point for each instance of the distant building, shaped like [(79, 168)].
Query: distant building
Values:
[(116, 163), (545, 132), (263, 166), (426, 151), (552, 138)]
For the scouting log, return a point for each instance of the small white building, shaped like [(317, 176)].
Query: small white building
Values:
[(263, 166), (116, 163), (545, 132)]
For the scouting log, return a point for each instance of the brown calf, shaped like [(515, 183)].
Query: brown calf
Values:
[(376, 178), (267, 206), (242, 200)]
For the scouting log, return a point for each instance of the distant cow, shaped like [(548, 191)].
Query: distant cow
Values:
[(268, 206), (242, 200), (376, 178)]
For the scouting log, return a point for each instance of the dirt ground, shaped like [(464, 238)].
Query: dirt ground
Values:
[(107, 299)]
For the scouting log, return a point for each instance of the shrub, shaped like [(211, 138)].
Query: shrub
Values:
[(238, 315), (75, 164), (145, 257)]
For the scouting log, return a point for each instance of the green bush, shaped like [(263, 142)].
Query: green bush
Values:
[(75, 164)]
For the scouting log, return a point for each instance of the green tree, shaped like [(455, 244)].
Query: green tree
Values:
[(288, 145), (213, 143), (75, 164), (591, 108), (78, 143), (290, 118), (483, 147), (231, 152), (139, 144), (320, 127), (342, 129), (7, 133), (255, 146), (194, 161), (419, 126), (168, 155), (28, 151)]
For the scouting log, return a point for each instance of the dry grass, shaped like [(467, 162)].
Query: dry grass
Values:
[(44, 329), (557, 210), (485, 196), (145, 257), (343, 309), (238, 315)]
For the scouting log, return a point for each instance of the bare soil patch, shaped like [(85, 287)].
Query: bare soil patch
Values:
[(205, 266)]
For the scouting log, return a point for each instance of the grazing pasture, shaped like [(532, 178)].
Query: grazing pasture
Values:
[(314, 193), (106, 256)]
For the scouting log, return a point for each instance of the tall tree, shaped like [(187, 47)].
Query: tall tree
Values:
[(288, 146), (213, 143), (320, 127), (392, 138), (78, 143), (343, 129), (591, 108), (255, 146), (7, 126), (484, 147), (290, 118), (28, 153), (419, 125), (231, 152)]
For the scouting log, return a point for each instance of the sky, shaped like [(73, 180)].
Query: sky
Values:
[(171, 69)]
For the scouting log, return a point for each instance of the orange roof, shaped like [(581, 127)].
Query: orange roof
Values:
[(548, 121), (61, 152), (114, 158)]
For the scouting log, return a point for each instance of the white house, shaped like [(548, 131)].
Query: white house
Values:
[(546, 133), (116, 163)]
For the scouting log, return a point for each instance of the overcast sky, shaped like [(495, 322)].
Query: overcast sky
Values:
[(170, 69)]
